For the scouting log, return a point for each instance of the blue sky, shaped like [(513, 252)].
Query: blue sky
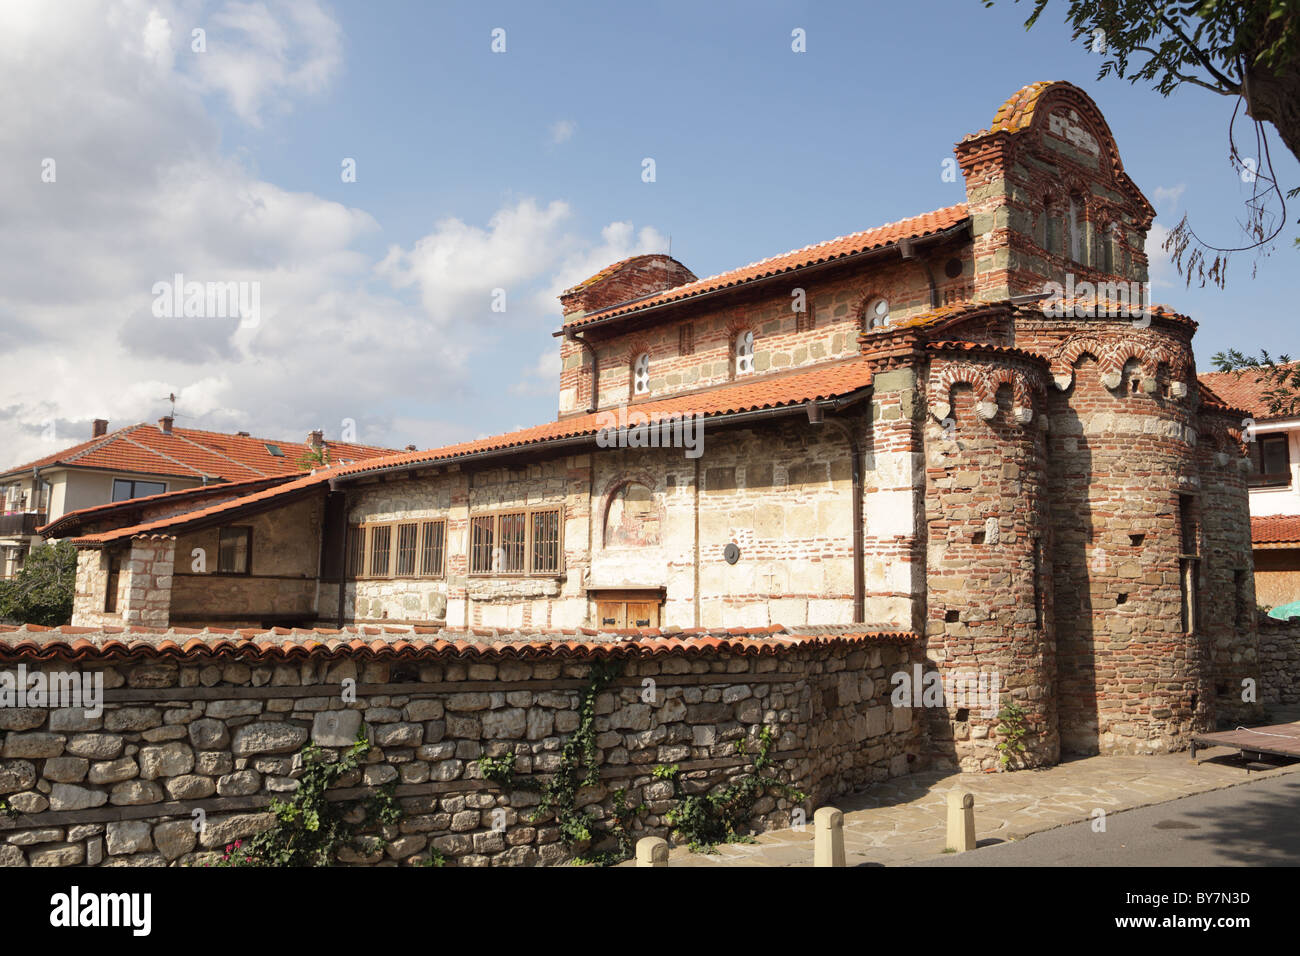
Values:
[(519, 170)]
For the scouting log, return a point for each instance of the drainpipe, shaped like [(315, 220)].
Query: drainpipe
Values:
[(817, 416), (595, 367), (908, 253)]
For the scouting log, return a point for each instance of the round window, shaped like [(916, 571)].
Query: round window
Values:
[(744, 353), (641, 374), (877, 313)]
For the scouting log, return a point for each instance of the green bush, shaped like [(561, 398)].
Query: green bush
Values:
[(41, 593)]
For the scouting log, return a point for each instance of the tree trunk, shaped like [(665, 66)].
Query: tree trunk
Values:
[(1276, 99)]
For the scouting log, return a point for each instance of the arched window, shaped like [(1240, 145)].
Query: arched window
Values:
[(1108, 240), (1053, 243), (641, 374), (877, 313), (1077, 245), (744, 353)]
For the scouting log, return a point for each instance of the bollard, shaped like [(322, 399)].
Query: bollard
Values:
[(652, 851), (961, 821), (828, 837)]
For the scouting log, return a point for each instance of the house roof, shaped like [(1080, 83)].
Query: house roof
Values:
[(1246, 391), (277, 645), (191, 453), (915, 227), (75, 519), (1274, 530), (766, 392)]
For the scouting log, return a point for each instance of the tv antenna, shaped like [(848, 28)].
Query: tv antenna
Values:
[(171, 397)]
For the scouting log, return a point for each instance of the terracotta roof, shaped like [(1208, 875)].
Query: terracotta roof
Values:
[(74, 519), (756, 393), (1245, 391), (1275, 529), (191, 453), (914, 228), (31, 642), (1017, 112)]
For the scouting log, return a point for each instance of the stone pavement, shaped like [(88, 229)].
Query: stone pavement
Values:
[(902, 821)]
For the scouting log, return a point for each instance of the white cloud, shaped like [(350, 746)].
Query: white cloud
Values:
[(457, 266), (543, 378), (618, 240), (1169, 196), (562, 131), (255, 54), (144, 191)]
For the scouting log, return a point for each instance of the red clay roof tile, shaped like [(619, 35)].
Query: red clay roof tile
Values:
[(913, 228), (40, 643), (1245, 391), (192, 453), (1275, 529), (760, 392)]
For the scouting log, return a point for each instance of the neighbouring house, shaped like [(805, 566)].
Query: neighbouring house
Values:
[(1274, 480), (143, 461), (968, 426)]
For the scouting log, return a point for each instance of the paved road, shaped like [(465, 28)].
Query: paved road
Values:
[(1257, 824)]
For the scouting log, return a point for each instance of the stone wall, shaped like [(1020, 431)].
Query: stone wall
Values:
[(216, 728), (1279, 661)]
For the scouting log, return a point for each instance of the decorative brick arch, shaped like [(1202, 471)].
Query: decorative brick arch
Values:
[(860, 310), (985, 381), (1123, 351), (638, 346), (1068, 355)]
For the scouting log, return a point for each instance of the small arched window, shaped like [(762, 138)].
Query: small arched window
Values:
[(1077, 244), (1052, 230), (744, 353), (877, 313), (641, 374), (1108, 239)]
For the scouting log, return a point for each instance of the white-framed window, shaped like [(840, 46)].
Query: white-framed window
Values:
[(744, 353), (877, 313), (641, 374)]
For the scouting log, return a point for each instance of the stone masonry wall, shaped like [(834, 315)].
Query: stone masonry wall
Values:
[(1279, 661), (217, 729)]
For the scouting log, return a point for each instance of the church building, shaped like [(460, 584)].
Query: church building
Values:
[(970, 425)]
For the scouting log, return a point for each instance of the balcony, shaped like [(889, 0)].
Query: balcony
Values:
[(21, 522)]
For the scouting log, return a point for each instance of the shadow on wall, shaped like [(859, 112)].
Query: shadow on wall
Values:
[(1068, 571)]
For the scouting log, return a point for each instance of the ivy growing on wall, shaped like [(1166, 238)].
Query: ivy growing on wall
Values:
[(706, 819), (309, 829), (580, 830), (703, 820)]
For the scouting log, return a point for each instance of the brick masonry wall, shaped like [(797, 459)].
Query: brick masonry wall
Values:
[(782, 338), (988, 529), (218, 732)]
